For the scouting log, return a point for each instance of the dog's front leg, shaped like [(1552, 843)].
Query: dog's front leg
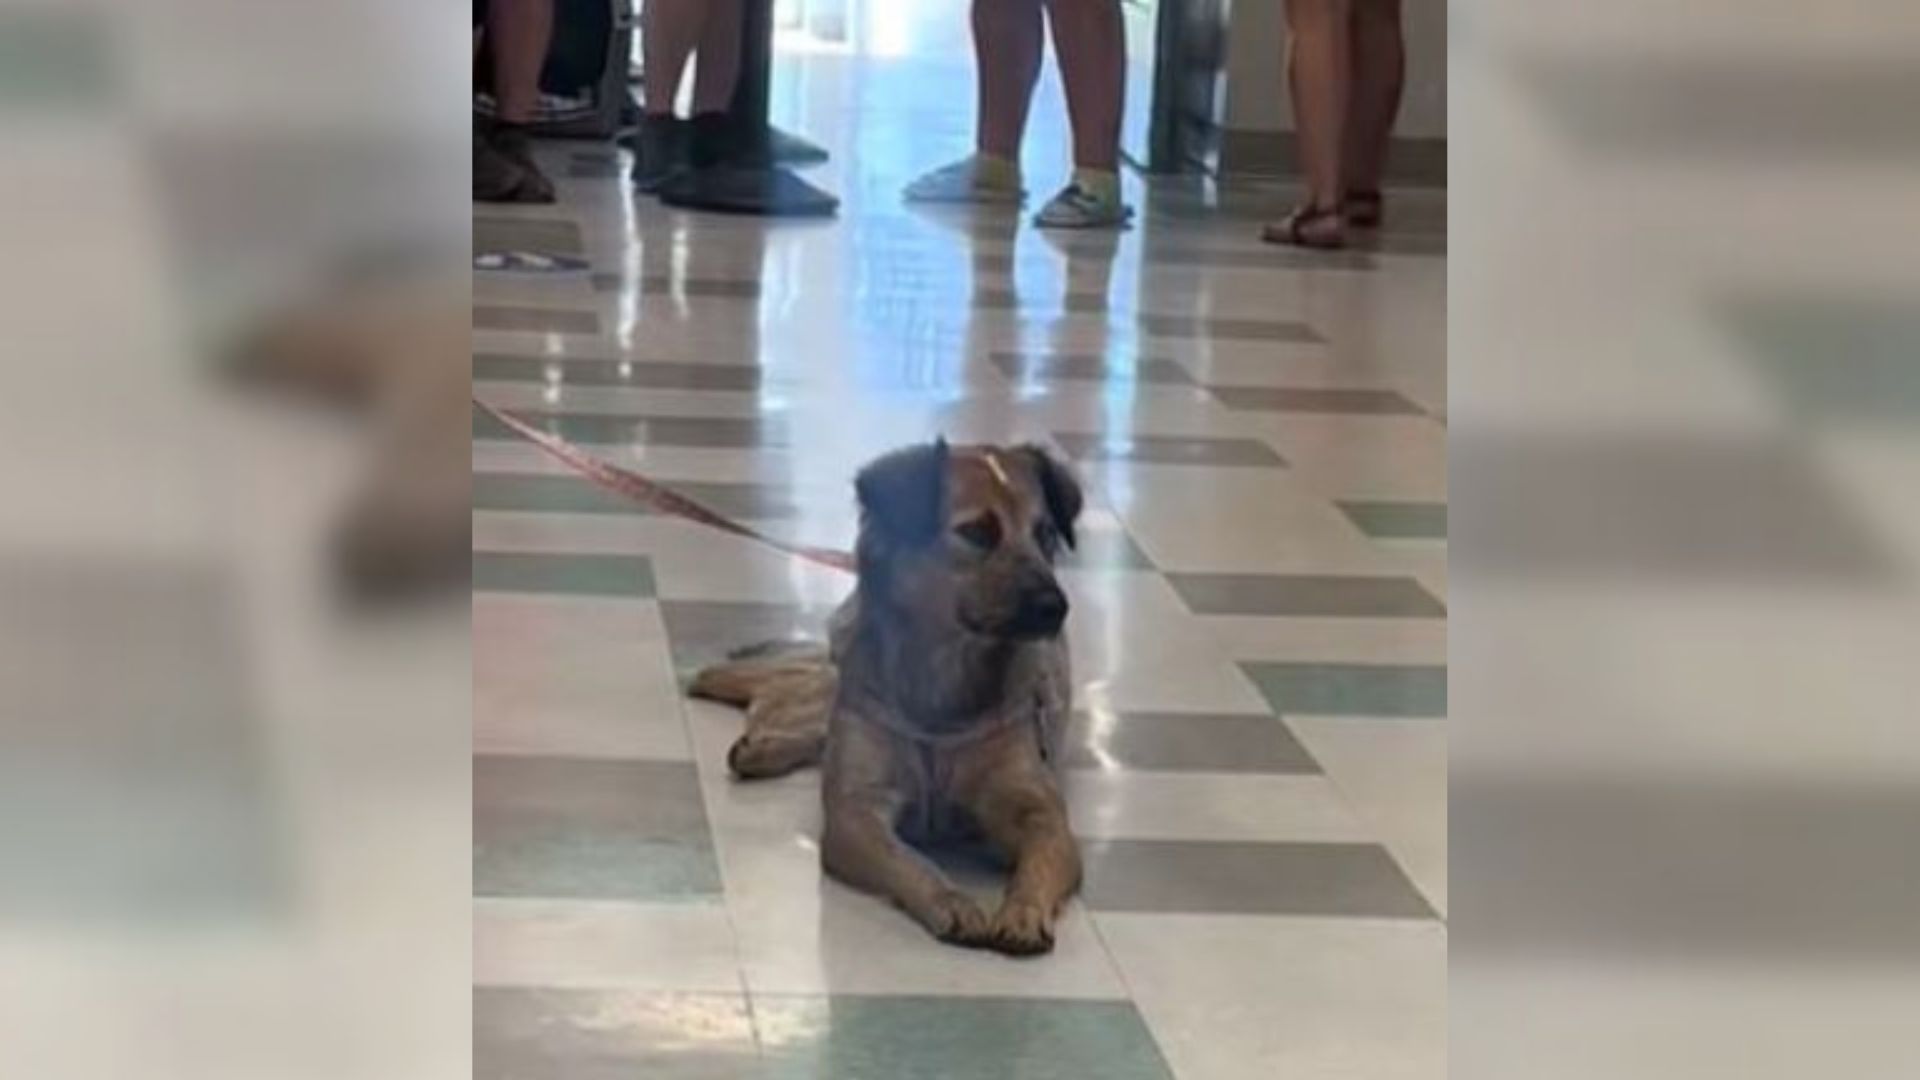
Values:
[(1025, 818), (862, 848)]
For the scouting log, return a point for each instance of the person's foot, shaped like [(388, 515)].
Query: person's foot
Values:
[(498, 178), (659, 152), (511, 142), (1091, 201), (978, 178), (710, 141), (1322, 228), (1366, 209)]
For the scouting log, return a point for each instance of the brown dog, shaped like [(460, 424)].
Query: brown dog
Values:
[(399, 350), (940, 702)]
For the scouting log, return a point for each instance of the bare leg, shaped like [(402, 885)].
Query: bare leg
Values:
[(1379, 75), (861, 848), (718, 67), (1024, 818), (518, 32), (671, 30), (1008, 39), (1317, 62), (1091, 41), (1317, 73)]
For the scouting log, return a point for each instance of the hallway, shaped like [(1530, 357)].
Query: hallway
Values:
[(1258, 775)]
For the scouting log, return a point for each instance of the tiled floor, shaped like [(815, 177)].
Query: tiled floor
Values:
[(1258, 771)]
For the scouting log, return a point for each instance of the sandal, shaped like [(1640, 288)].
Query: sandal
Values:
[(503, 167), (1365, 209), (1323, 228), (498, 178)]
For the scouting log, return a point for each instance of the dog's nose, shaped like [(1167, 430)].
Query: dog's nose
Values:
[(1047, 608)]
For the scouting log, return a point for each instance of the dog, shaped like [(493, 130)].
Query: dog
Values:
[(940, 700), (398, 351)]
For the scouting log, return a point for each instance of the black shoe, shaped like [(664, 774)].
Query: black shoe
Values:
[(659, 151), (712, 144), (511, 143)]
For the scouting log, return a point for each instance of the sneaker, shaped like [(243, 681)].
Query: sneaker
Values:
[(1078, 208), (968, 180), (659, 152)]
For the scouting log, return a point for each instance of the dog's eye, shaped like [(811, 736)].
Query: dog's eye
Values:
[(981, 532)]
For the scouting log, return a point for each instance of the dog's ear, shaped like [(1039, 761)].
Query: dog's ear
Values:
[(1059, 488), (905, 492)]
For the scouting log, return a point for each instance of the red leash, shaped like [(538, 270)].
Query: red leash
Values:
[(647, 492)]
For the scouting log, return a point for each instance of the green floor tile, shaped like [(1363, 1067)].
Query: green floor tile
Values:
[(1398, 520), (54, 59), (572, 575), (1837, 358), (954, 1038), (1390, 690), (590, 830), (547, 494)]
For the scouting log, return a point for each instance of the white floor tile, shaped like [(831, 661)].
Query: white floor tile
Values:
[(1393, 773), (580, 943), (1135, 647), (1251, 998), (1232, 520), (574, 677), (1208, 806)]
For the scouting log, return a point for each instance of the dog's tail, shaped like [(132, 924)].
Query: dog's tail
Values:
[(787, 689)]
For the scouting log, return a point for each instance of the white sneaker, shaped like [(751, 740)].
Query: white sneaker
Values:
[(1077, 208), (965, 181)]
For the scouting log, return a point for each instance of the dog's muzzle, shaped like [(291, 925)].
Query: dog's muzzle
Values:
[(1042, 612)]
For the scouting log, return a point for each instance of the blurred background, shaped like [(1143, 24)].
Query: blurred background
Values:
[(1685, 365), (233, 800)]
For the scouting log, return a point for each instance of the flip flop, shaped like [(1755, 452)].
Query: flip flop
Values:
[(1365, 209), (1321, 228)]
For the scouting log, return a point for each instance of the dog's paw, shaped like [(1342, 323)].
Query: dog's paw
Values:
[(955, 919), (764, 758), (1022, 929), (746, 758), (382, 553)]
